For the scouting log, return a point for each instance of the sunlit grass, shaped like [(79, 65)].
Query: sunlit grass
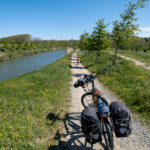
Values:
[(138, 55), (25, 103)]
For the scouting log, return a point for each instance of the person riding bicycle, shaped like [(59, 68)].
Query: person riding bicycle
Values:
[(78, 60)]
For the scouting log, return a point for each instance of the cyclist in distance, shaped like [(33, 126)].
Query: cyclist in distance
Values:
[(78, 60)]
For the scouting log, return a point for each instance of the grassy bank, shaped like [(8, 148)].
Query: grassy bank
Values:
[(9, 54), (138, 55), (130, 82), (32, 107)]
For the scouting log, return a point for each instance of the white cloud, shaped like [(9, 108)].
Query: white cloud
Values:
[(144, 29), (145, 32)]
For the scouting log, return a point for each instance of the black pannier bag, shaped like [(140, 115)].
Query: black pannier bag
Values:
[(121, 118), (76, 84), (91, 126)]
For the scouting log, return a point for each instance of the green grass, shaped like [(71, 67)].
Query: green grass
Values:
[(138, 55), (130, 82), (32, 107)]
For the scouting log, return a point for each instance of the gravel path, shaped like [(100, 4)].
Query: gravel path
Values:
[(139, 63), (1, 54), (74, 140)]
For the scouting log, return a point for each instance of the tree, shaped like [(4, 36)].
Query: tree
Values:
[(6, 45), (100, 38), (14, 45), (124, 29), (85, 42)]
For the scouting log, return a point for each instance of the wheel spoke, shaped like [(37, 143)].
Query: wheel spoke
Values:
[(108, 136), (87, 100)]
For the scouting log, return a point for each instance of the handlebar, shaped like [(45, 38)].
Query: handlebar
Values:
[(84, 80), (89, 78)]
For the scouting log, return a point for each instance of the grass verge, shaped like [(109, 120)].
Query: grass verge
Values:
[(32, 107), (130, 82)]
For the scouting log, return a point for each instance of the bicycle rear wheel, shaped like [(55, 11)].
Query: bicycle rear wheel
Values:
[(108, 136), (87, 99)]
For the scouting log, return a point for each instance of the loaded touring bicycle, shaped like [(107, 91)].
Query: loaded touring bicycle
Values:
[(99, 119)]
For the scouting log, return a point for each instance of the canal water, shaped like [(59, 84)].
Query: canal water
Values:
[(23, 65)]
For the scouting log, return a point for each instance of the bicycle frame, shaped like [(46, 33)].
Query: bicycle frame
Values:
[(97, 97), (95, 92), (93, 87)]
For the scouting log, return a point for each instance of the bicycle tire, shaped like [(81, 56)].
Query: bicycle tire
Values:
[(108, 136), (85, 102)]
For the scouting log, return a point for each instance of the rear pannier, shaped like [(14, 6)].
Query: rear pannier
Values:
[(121, 119), (91, 125)]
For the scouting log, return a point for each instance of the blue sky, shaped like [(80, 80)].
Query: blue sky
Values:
[(63, 19)]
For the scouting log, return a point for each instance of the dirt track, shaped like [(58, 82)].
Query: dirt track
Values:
[(139, 63), (73, 138)]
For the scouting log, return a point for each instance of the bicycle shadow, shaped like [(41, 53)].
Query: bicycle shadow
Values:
[(77, 74), (77, 67), (73, 139)]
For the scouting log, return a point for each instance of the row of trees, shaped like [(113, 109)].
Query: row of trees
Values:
[(123, 32), (26, 42), (17, 39)]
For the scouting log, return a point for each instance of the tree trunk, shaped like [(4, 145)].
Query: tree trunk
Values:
[(84, 53), (88, 55), (97, 57), (114, 58)]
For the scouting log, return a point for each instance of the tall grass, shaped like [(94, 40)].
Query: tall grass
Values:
[(138, 55), (130, 82), (27, 102)]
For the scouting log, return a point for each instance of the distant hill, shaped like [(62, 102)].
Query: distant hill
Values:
[(16, 38)]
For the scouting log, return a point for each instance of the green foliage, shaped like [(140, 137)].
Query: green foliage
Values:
[(6, 45), (122, 36), (85, 41), (124, 29), (98, 40), (100, 36), (26, 102), (14, 45), (16, 38), (21, 45), (135, 44)]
